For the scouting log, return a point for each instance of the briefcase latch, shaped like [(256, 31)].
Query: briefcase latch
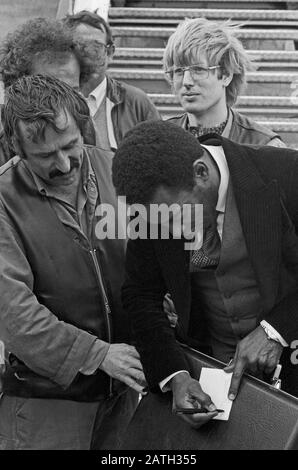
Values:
[(276, 382)]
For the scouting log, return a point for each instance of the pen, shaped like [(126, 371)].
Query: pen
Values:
[(192, 411)]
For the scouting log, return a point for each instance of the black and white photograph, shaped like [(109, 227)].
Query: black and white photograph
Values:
[(148, 229)]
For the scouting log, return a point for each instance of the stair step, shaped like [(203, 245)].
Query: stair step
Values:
[(256, 101), (259, 83), (272, 39), (256, 113), (157, 64), (283, 24), (251, 76), (240, 33), (280, 4), (178, 14), (254, 106), (171, 3), (157, 53)]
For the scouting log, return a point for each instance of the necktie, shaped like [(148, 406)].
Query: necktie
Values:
[(208, 255)]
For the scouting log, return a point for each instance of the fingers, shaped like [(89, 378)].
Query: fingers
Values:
[(198, 397), (122, 362), (135, 379), (134, 383), (237, 368)]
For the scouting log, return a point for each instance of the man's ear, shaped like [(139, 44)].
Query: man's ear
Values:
[(227, 77), (201, 171), (110, 52)]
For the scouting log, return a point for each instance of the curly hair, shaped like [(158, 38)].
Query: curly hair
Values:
[(37, 101), (153, 154), (91, 19), (218, 42), (40, 37)]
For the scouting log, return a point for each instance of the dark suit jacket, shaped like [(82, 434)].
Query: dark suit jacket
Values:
[(265, 183)]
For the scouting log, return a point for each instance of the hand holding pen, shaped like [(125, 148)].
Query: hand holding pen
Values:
[(190, 402)]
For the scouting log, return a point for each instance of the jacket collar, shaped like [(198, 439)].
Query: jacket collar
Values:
[(115, 91)]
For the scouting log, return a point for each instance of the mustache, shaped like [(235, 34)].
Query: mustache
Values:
[(56, 173)]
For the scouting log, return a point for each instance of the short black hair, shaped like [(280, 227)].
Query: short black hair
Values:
[(154, 154), (91, 19)]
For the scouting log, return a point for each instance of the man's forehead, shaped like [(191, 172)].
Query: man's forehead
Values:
[(64, 122), (64, 67), (86, 31)]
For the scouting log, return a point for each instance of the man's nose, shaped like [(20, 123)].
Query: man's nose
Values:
[(63, 162), (187, 78)]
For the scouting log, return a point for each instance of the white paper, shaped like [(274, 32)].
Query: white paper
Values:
[(216, 383)]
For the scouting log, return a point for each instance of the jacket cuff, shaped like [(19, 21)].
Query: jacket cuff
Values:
[(75, 359)]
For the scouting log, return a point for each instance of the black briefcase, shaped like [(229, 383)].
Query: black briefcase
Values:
[(262, 417)]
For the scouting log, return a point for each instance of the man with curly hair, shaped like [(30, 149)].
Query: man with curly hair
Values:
[(206, 66), (39, 46), (115, 106)]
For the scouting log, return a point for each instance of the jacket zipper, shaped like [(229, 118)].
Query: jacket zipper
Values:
[(107, 307)]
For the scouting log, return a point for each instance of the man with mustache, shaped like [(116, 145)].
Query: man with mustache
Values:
[(71, 381)]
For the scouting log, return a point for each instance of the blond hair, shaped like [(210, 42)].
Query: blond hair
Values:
[(217, 41)]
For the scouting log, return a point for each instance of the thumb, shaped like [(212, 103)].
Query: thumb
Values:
[(230, 366)]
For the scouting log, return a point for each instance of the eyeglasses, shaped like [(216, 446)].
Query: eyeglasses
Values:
[(94, 44), (197, 72)]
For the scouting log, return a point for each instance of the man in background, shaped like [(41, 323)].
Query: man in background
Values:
[(115, 106), (39, 46), (71, 381)]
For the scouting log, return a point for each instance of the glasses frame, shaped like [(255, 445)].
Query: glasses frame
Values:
[(189, 68), (108, 48)]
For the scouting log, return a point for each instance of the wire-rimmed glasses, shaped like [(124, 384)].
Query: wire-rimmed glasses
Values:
[(197, 72)]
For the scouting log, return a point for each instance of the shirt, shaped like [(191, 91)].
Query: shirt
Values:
[(94, 100)]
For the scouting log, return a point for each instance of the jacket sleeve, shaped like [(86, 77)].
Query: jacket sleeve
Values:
[(144, 107), (151, 112), (49, 347), (284, 316), (142, 294)]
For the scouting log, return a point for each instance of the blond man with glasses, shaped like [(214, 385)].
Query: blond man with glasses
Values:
[(206, 66)]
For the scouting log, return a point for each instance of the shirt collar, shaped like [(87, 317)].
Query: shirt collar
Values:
[(97, 95), (218, 154), (192, 122)]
